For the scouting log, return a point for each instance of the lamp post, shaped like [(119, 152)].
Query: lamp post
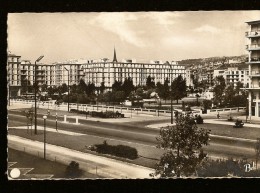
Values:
[(68, 88), (44, 139), (35, 92), (171, 106)]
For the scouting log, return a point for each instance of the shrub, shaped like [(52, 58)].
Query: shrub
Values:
[(73, 170), (199, 119), (117, 150)]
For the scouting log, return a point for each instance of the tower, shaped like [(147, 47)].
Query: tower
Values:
[(114, 59), (253, 47)]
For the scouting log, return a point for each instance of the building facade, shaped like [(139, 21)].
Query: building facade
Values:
[(14, 74), (109, 72), (233, 75), (253, 47), (91, 71)]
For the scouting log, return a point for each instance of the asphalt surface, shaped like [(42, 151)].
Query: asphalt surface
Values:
[(143, 138)]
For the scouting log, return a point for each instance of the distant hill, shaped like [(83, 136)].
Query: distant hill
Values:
[(223, 59)]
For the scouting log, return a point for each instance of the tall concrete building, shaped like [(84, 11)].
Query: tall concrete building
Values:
[(109, 72), (14, 74), (21, 73), (253, 47)]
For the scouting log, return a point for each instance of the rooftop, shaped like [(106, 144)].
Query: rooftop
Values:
[(253, 22)]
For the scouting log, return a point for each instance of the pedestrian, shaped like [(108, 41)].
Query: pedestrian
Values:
[(218, 115)]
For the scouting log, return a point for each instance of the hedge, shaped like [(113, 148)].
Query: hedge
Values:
[(106, 114), (117, 150)]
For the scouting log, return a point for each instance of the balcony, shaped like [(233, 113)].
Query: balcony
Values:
[(253, 47), (254, 87), (254, 60), (251, 34), (255, 73)]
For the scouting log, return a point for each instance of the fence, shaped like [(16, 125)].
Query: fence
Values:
[(227, 110), (89, 107)]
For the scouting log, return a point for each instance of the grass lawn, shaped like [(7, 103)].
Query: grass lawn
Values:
[(40, 165)]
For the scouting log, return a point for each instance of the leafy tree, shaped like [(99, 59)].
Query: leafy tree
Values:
[(219, 89), (238, 87), (178, 88), (108, 97), (102, 87), (203, 85), (117, 86), (150, 82), (183, 144), (73, 89), (140, 93), (229, 95), (36, 87), (26, 86), (90, 89), (119, 96), (64, 88), (50, 91), (44, 87), (165, 90), (82, 86), (159, 89), (127, 86)]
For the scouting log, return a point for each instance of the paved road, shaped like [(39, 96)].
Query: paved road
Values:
[(142, 138), (103, 166)]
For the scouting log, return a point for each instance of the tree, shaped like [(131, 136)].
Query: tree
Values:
[(25, 86), (127, 86), (82, 86), (73, 89), (117, 86), (102, 87), (63, 88), (44, 87), (119, 96), (229, 95), (90, 89), (178, 88), (183, 143), (150, 82), (165, 89), (219, 89), (50, 91)]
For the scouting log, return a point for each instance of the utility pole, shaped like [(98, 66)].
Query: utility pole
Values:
[(35, 92)]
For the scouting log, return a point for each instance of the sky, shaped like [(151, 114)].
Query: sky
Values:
[(144, 36)]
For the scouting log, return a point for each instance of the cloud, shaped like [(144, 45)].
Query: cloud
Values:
[(178, 41), (120, 24), (208, 29)]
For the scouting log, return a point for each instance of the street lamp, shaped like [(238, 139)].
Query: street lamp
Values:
[(44, 139), (68, 88), (35, 102), (171, 106)]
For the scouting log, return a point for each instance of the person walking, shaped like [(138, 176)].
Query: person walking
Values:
[(218, 116)]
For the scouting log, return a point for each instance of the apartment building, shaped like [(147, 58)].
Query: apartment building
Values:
[(93, 71), (109, 72), (13, 74), (253, 47), (232, 75)]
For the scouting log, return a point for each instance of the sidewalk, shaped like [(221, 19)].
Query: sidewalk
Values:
[(211, 121), (104, 166), (61, 111)]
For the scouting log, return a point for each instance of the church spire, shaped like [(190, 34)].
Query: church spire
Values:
[(114, 59)]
